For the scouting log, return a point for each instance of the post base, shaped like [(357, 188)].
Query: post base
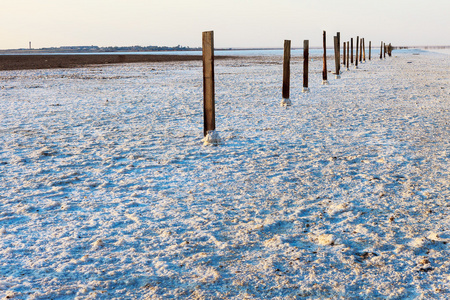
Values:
[(212, 138), (305, 90), (325, 82), (286, 102), (338, 76)]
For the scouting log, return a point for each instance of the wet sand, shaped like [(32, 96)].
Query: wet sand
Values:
[(38, 61)]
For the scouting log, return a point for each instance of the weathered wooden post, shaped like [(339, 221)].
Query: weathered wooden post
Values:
[(370, 50), (381, 50), (356, 54), (286, 73), (337, 59), (338, 34), (209, 114), (324, 71), (343, 54), (351, 44), (364, 50), (305, 66), (360, 49), (390, 49), (347, 54), (384, 48)]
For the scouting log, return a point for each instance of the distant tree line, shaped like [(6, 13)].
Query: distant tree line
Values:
[(87, 49)]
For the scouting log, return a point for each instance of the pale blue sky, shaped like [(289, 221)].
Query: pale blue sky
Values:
[(236, 23)]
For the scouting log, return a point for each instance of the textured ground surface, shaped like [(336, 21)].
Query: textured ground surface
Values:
[(106, 191)]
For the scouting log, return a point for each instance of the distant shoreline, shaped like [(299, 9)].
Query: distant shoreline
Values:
[(49, 61)]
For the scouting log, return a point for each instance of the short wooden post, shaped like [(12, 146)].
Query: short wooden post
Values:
[(384, 48), (356, 56), (209, 115), (381, 50), (324, 71), (370, 50), (351, 45), (348, 44), (390, 49), (337, 59), (305, 66), (286, 73)]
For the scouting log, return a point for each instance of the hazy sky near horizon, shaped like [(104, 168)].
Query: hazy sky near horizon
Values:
[(236, 23)]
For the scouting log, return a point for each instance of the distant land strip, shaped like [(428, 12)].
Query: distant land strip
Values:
[(49, 61)]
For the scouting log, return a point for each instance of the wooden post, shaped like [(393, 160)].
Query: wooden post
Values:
[(360, 49), (286, 69), (348, 44), (338, 34), (209, 117), (344, 53), (370, 50), (390, 49), (337, 59), (305, 65), (384, 53), (324, 71), (381, 50), (356, 56), (364, 50), (351, 45)]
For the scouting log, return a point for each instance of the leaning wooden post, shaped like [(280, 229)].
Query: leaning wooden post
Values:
[(324, 71), (356, 54), (337, 59), (305, 66), (209, 114), (286, 73), (347, 54), (370, 50), (351, 45), (381, 50)]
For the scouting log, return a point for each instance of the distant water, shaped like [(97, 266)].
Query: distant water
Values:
[(440, 50)]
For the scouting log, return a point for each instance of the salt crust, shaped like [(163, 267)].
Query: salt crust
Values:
[(107, 194)]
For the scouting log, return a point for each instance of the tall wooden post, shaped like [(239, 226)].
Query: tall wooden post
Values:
[(337, 59), (381, 50), (209, 115), (305, 65), (343, 53), (348, 44), (384, 48), (324, 71), (360, 49), (286, 73), (364, 50), (370, 50), (338, 35), (356, 54), (351, 45)]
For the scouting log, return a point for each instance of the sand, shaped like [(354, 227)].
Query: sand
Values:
[(50, 61), (107, 191)]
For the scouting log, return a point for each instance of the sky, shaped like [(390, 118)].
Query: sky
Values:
[(236, 23)]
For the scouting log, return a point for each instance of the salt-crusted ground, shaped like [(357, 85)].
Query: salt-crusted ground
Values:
[(106, 191)]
